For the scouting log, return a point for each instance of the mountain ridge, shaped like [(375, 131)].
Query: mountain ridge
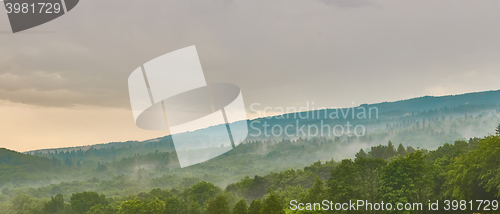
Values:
[(416, 104)]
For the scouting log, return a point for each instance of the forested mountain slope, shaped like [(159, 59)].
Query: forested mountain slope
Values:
[(389, 173), (428, 106), (18, 167)]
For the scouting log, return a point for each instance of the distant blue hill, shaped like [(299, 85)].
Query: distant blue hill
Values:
[(418, 104), (437, 102)]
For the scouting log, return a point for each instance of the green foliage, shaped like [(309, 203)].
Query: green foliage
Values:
[(55, 205), (202, 191), (342, 185), (194, 208), (175, 206), (240, 207), (82, 202), (101, 209), (17, 168), (156, 206), (367, 176), (101, 167), (406, 180), (24, 204), (401, 150), (273, 205), (219, 206), (317, 193), (257, 187), (97, 209), (255, 207), (134, 206), (385, 152), (361, 154), (475, 170), (463, 170)]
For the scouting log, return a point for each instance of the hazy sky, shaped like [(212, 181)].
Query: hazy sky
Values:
[(65, 83)]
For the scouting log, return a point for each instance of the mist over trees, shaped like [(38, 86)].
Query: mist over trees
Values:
[(453, 171), (405, 156)]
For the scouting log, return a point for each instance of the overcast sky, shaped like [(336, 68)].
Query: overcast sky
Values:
[(65, 83)]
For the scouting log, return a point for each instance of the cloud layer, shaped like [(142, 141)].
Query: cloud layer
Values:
[(281, 53)]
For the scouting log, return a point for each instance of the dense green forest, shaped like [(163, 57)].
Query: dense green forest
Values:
[(156, 160), (404, 157), (393, 174)]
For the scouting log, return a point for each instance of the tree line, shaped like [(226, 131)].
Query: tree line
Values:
[(459, 171)]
